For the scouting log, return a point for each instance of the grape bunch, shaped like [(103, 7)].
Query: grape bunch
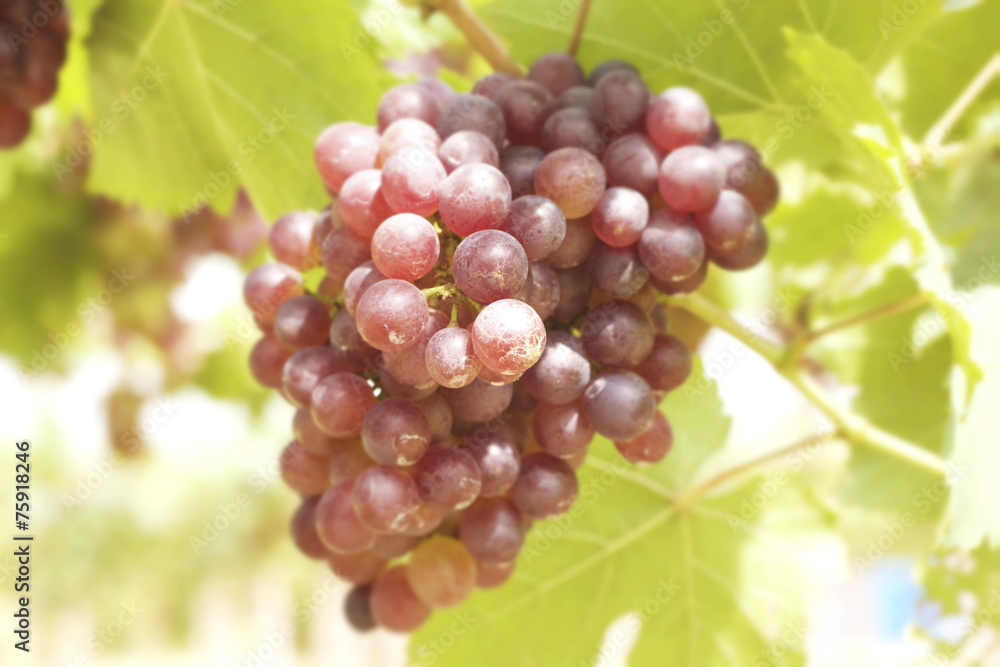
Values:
[(487, 304), (32, 50)]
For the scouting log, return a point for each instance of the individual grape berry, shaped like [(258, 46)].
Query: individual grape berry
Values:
[(395, 432), (344, 251), (491, 576), (562, 372), (691, 178), (394, 605), (573, 128), (441, 90), (438, 415), (492, 529), (617, 334), (343, 150), (579, 97), (385, 499), (537, 224), (487, 374), (337, 524), (410, 365), (339, 404), (411, 181), (620, 101), (562, 430), (744, 256), (574, 293), (468, 147), (607, 67), (472, 112), (497, 458), (633, 161), (478, 401), (350, 348), (508, 336), (292, 240), (441, 572), (677, 117), (474, 197), (424, 521), (573, 178), (518, 165), (304, 472), (267, 361), (348, 460), (408, 100), (652, 445), (407, 133), (525, 106), (362, 203), (267, 287), (764, 192), (557, 71), (450, 358), (301, 322), (391, 315), (620, 217), (447, 477), (540, 290), (729, 223), (405, 246), (359, 280), (358, 610), (671, 247), (491, 83), (394, 545), (392, 386), (305, 369), (685, 286), (668, 364), (304, 533), (619, 405), (489, 265), (741, 161), (545, 488), (361, 567), (577, 245), (617, 271), (310, 437)]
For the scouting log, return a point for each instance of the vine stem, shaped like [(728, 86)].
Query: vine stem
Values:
[(854, 428), (732, 473), (479, 36), (909, 303), (581, 22)]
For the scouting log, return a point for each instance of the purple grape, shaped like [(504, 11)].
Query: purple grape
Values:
[(667, 365), (677, 117), (385, 499), (292, 240), (617, 271), (537, 224), (574, 293), (633, 161), (391, 315), (302, 321), (691, 178), (407, 133), (474, 197), (562, 430), (305, 369), (497, 458), (652, 445), (525, 106), (540, 290), (619, 405), (492, 529), (556, 71), (395, 432), (744, 256), (359, 280), (617, 334), (491, 83), (405, 246), (266, 288), (562, 372), (350, 348), (450, 358), (489, 265), (408, 100), (362, 203), (472, 112), (518, 165), (267, 360), (607, 67), (478, 401), (545, 488), (343, 150), (729, 223), (573, 128), (468, 147), (410, 365), (339, 404), (411, 181), (447, 477), (620, 101), (508, 336), (573, 178), (620, 217), (577, 245), (337, 524), (671, 246)]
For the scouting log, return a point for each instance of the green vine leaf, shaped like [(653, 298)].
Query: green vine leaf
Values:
[(184, 127)]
